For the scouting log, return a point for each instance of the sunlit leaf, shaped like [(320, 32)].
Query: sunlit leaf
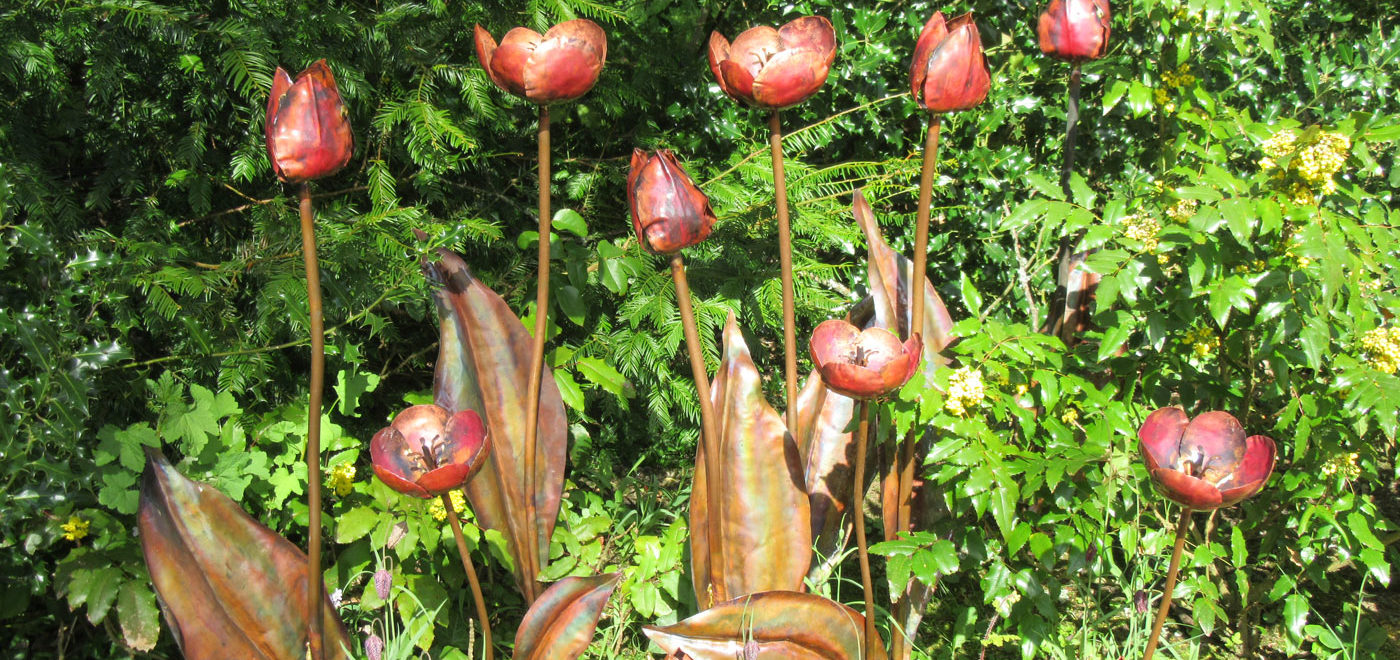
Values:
[(561, 622)]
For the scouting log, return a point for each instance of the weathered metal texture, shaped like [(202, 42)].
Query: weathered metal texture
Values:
[(774, 624), (560, 624)]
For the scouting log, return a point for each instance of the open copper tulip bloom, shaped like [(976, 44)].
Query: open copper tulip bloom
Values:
[(427, 451), (307, 132), (949, 72), (771, 68), (560, 65), (863, 364), (1075, 30), (1206, 463), (668, 210)]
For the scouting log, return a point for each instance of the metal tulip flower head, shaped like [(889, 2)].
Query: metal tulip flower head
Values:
[(1075, 30), (863, 364), (774, 69), (949, 72), (668, 210), (427, 451), (1207, 462), (560, 65), (307, 132)]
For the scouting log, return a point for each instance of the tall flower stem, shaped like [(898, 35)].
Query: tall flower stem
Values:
[(1071, 129), (916, 288), (471, 576), (1062, 319), (862, 437), (1182, 525), (530, 553), (709, 429), (775, 145), (313, 424)]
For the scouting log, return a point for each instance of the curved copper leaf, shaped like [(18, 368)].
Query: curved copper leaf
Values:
[(762, 480), (560, 624), (825, 445), (229, 586), (483, 365), (773, 624)]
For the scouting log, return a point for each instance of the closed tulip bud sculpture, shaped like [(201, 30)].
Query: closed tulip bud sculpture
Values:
[(1202, 463), (668, 210), (949, 72), (1074, 30)]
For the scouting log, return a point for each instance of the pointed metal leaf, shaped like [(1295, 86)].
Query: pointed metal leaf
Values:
[(763, 486), (773, 624), (560, 624), (484, 365), (229, 586)]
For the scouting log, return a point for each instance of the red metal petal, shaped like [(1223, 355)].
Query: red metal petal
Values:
[(466, 443), (774, 624), (1159, 437), (484, 365), (853, 381), (566, 64), (956, 74), (718, 52), (762, 479), (754, 47), (669, 212), (1186, 490), (1074, 30), (229, 586), (281, 82), (812, 33), (738, 82), (309, 136), (399, 484), (832, 341), (511, 57), (1253, 473), (789, 78), (933, 33), (1216, 441), (396, 462), (560, 624), (485, 52)]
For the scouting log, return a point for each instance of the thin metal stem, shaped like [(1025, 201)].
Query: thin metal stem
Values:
[(1182, 524), (862, 437), (313, 425), (775, 145), (530, 553), (916, 284), (1061, 321), (471, 576), (1071, 131), (709, 431)]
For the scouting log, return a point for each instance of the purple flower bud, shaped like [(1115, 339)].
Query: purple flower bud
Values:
[(374, 647), (1140, 601), (382, 582)]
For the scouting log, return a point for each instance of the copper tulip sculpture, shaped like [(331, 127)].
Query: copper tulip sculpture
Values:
[(771, 70), (864, 365), (1076, 31), (1202, 464), (560, 65), (308, 137), (427, 452), (669, 213)]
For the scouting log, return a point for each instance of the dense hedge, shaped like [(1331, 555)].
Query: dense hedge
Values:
[(152, 296)]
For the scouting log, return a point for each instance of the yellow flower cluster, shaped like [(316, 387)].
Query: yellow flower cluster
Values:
[(1201, 340), (439, 512), (342, 479), (1182, 210), (964, 391), (75, 529), (1181, 77), (1142, 228), (1314, 163), (1256, 266), (1070, 416), (1278, 145), (1317, 162), (1373, 284), (1382, 347), (1343, 465)]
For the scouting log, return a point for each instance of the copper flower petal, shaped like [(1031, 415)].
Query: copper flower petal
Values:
[(789, 78), (933, 33), (1160, 436), (669, 212), (1075, 30), (422, 426), (1253, 473), (1217, 442), (738, 82), (810, 33), (566, 64), (719, 52), (394, 462), (309, 136), (485, 52), (281, 82), (511, 57), (754, 47), (853, 381), (1187, 490), (863, 364), (831, 339), (956, 74)]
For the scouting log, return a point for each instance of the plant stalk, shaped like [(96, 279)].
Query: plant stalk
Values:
[(1182, 524), (916, 288), (775, 145), (862, 438), (1061, 321), (1071, 130), (530, 553), (471, 576), (313, 425), (709, 430)]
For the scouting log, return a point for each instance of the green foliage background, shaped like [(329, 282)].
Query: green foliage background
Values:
[(153, 297)]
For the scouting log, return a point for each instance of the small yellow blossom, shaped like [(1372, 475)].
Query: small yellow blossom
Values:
[(1344, 465), (1142, 228), (964, 391), (342, 479), (1160, 95), (439, 512), (1201, 340), (1182, 210), (1373, 284), (75, 529), (1382, 346), (1021, 390), (1070, 416)]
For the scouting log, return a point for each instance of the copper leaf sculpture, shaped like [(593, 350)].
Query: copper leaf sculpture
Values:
[(483, 365), (763, 485), (229, 586), (560, 624), (773, 624)]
